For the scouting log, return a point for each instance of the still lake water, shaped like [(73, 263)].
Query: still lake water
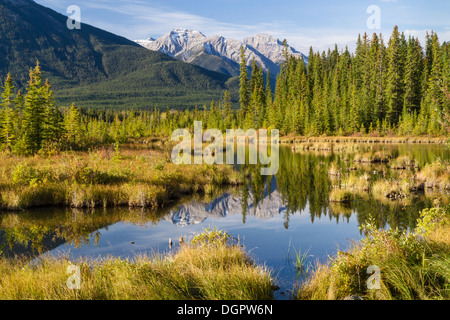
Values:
[(272, 217)]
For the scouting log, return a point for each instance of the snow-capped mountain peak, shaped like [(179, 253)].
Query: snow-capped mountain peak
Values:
[(218, 53)]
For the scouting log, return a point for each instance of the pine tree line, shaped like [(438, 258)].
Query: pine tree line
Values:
[(399, 88)]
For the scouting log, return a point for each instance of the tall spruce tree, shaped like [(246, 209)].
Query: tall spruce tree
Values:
[(244, 85), (395, 74), (412, 79), (53, 119), (435, 96), (8, 115), (34, 112)]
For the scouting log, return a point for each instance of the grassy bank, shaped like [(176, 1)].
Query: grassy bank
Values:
[(362, 139), (210, 267), (406, 179), (412, 265), (105, 178)]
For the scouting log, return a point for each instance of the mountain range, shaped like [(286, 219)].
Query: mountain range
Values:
[(220, 54), (95, 68)]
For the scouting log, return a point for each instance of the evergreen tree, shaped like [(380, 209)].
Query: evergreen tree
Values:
[(395, 73), (435, 96), (8, 117), (413, 76), (53, 119), (244, 90), (268, 103), (73, 126), (34, 112)]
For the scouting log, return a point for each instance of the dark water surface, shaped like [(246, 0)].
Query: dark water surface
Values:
[(273, 218)]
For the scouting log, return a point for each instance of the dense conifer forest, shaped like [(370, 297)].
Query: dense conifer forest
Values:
[(396, 89)]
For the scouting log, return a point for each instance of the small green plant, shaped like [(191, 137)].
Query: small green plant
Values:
[(116, 156), (302, 268), (30, 175), (160, 166), (430, 218)]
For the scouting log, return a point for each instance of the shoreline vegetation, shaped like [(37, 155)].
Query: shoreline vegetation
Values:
[(406, 180), (295, 140), (210, 267), (106, 177), (413, 266)]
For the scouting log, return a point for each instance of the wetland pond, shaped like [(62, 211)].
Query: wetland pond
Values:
[(273, 217)]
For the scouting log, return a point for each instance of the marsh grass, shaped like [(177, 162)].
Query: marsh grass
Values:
[(403, 162), (135, 178), (341, 196), (334, 170), (361, 139), (206, 272), (401, 179), (326, 146), (413, 265), (357, 183), (436, 175), (379, 156), (390, 189)]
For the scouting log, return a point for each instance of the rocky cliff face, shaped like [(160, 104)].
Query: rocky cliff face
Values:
[(218, 53)]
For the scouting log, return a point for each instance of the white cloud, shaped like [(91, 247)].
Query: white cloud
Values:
[(146, 20), (141, 19)]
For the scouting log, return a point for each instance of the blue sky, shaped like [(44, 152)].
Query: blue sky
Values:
[(315, 23)]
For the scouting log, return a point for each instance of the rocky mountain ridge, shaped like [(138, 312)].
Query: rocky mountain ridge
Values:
[(220, 54)]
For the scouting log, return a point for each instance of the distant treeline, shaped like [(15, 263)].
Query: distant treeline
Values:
[(30, 123)]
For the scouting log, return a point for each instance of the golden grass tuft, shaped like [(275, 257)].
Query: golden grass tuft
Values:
[(436, 175), (223, 272), (341, 195), (135, 178), (412, 267)]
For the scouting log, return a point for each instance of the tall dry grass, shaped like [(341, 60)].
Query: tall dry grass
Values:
[(209, 272), (413, 266), (135, 178)]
